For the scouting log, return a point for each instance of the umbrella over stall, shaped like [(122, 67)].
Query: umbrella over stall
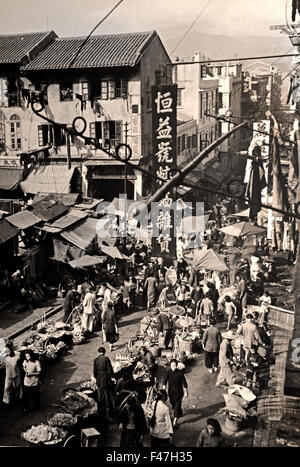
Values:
[(243, 228)]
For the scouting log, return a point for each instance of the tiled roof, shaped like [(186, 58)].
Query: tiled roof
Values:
[(15, 47), (111, 50)]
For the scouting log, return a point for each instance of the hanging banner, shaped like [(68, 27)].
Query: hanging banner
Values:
[(164, 139)]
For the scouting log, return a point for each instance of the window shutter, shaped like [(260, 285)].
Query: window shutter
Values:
[(124, 88), (58, 137), (106, 130), (119, 132), (104, 90), (112, 130), (98, 130), (111, 90), (92, 130)]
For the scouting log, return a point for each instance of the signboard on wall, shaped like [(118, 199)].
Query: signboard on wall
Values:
[(164, 139)]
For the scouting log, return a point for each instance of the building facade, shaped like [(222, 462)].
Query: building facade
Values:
[(109, 86)]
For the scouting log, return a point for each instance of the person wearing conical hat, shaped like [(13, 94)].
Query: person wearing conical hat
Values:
[(225, 356)]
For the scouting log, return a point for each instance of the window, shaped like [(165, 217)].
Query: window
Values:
[(104, 90), (121, 88), (109, 132), (85, 89), (157, 78), (206, 102), (179, 97), (96, 130), (111, 90), (15, 131), (45, 136), (178, 145), (66, 91), (220, 100), (194, 140), (183, 142), (189, 142), (59, 136), (201, 106), (217, 101), (203, 71)]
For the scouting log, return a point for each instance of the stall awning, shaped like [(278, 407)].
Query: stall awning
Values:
[(23, 219), (48, 209), (113, 252), (68, 199), (10, 178), (49, 179), (82, 235), (208, 260), (86, 261), (7, 231)]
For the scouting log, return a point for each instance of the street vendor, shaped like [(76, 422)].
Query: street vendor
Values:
[(147, 359), (167, 296), (164, 327), (225, 358)]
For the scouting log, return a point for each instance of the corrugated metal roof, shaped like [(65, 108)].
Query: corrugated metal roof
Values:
[(23, 219), (15, 47), (69, 219), (48, 209), (111, 50), (49, 179), (68, 199), (7, 231), (10, 177)]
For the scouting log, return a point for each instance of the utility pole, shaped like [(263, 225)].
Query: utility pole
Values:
[(125, 177), (68, 149)]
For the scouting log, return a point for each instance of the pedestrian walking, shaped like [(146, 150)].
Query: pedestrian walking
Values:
[(225, 357), (151, 288), (177, 387), (206, 309), (211, 341), (132, 422), (69, 302), (31, 391), (103, 374), (88, 315), (160, 424), (251, 338), (110, 325), (12, 384), (230, 310)]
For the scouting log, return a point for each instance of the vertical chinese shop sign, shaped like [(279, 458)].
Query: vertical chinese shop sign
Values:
[(164, 139)]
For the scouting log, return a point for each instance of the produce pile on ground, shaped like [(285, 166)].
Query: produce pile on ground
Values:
[(62, 420), (42, 434)]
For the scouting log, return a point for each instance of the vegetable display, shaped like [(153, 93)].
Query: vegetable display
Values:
[(43, 434)]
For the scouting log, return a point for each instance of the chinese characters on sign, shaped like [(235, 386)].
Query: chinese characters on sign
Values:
[(164, 138), (263, 126)]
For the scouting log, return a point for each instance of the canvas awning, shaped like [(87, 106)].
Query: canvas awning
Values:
[(113, 252), (208, 260), (23, 219), (10, 178), (82, 235), (49, 179), (65, 252), (7, 231), (86, 261)]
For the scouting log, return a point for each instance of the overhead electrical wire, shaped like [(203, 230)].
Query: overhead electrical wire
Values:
[(191, 26)]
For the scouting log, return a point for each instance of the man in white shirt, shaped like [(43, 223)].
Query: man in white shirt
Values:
[(88, 310)]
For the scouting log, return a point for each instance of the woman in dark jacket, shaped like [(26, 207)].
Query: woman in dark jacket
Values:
[(177, 383), (132, 422), (211, 436)]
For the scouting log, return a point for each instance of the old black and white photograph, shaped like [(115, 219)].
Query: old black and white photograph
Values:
[(149, 226)]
